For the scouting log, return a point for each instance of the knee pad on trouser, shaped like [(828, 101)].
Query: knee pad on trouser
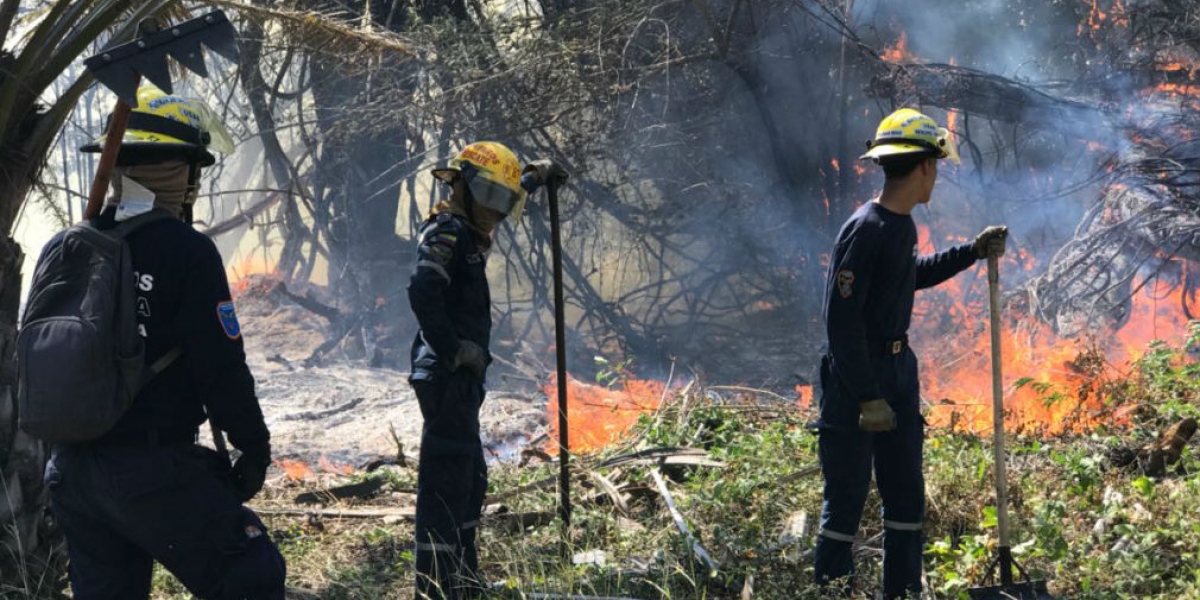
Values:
[(903, 545)]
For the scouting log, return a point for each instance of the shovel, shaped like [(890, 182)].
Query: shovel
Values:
[(1009, 588), (121, 68)]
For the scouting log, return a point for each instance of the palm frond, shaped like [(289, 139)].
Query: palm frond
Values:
[(328, 33)]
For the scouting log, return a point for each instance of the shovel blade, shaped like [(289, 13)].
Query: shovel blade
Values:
[(118, 68), (1026, 590)]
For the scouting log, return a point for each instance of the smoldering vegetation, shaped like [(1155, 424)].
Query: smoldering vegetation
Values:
[(713, 147)]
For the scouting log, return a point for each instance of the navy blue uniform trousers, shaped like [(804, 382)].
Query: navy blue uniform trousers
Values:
[(847, 457), (451, 485), (123, 507)]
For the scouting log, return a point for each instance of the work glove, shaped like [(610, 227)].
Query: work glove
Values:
[(876, 415), (545, 172), (471, 356), (250, 471), (990, 241)]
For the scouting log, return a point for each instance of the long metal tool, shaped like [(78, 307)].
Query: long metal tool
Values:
[(1009, 588), (560, 355), (121, 68)]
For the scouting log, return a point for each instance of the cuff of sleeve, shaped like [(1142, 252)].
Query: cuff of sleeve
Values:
[(254, 442)]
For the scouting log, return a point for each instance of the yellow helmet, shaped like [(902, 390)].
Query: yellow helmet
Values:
[(907, 131), (492, 173), (164, 126)]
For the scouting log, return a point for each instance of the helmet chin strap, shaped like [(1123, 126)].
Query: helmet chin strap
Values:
[(193, 190)]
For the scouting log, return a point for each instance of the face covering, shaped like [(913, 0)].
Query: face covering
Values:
[(482, 220), (166, 183)]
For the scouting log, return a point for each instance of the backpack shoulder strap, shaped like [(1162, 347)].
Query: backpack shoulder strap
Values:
[(165, 360)]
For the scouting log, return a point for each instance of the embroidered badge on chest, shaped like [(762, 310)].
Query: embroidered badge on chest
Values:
[(845, 283), (228, 318)]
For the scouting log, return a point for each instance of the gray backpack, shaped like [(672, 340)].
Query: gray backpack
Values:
[(80, 358)]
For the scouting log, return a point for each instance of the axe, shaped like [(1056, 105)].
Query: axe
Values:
[(121, 68)]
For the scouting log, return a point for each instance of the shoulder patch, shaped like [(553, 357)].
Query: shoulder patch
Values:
[(845, 283), (441, 253), (228, 318)]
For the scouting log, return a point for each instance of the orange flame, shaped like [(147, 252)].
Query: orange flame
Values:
[(951, 335), (804, 395), (598, 416), (898, 52), (238, 274), (1097, 17), (294, 469)]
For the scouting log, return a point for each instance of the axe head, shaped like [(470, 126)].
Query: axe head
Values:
[(119, 68)]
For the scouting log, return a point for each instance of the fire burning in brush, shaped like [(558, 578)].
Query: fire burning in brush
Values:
[(298, 470), (898, 52), (598, 415), (1050, 381), (239, 274)]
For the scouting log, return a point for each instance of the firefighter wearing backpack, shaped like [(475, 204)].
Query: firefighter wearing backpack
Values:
[(143, 490), (449, 295)]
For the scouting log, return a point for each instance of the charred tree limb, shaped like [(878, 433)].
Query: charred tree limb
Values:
[(984, 94), (329, 313)]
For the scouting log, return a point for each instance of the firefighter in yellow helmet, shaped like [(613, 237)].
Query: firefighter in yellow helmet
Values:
[(168, 140), (449, 295), (145, 491), (870, 405)]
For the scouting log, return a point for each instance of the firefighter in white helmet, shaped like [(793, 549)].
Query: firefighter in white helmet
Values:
[(870, 406), (449, 295)]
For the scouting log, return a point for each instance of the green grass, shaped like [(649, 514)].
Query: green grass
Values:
[(1092, 529)]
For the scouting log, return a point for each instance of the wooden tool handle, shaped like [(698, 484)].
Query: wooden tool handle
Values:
[(993, 275), (108, 158)]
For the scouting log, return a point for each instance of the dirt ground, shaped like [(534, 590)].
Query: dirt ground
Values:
[(345, 411)]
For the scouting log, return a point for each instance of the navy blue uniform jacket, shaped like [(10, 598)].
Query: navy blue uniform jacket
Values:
[(449, 295), (184, 302), (873, 276)]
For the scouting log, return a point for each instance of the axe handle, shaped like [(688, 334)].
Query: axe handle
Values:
[(108, 158), (993, 277)]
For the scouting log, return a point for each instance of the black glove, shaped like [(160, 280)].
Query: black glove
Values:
[(546, 171), (471, 356), (250, 471), (990, 241)]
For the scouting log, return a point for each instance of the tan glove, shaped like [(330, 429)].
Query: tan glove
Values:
[(471, 356), (876, 416), (547, 171), (990, 241)]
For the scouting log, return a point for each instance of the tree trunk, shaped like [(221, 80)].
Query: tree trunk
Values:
[(25, 542)]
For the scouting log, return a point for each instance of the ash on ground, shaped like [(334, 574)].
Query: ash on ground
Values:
[(340, 408)]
